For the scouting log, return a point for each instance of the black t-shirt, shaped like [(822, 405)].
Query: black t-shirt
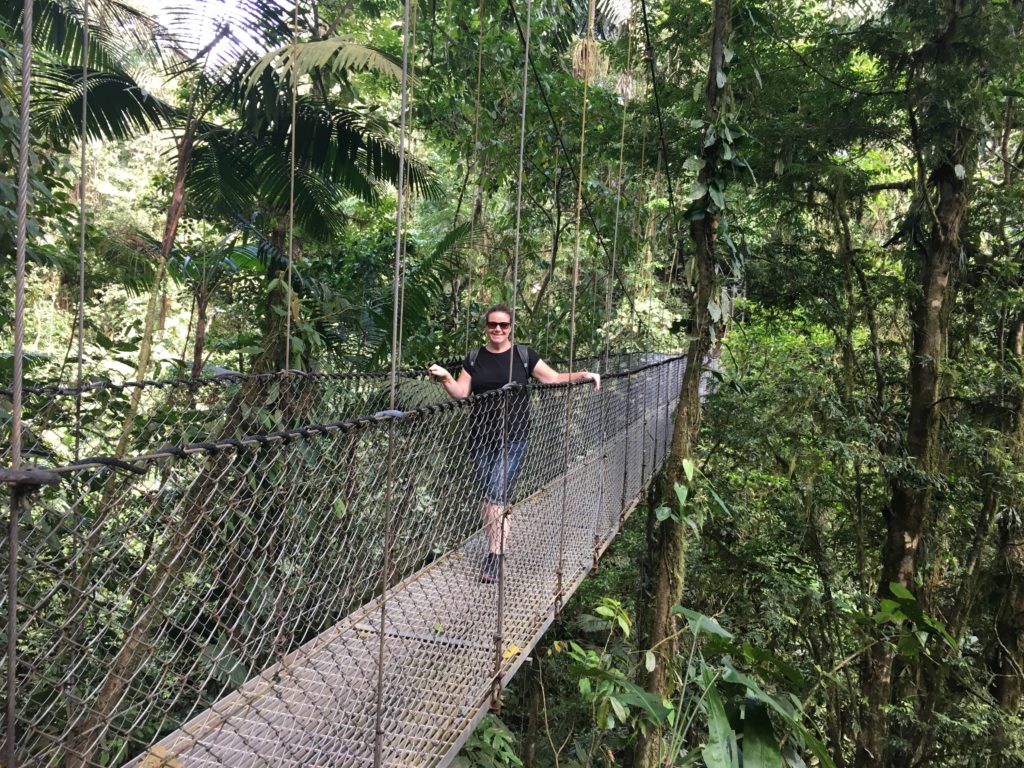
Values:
[(490, 372)]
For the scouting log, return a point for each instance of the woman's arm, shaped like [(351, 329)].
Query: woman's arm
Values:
[(457, 388), (545, 374)]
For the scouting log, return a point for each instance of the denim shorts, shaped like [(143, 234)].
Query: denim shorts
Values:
[(489, 461)]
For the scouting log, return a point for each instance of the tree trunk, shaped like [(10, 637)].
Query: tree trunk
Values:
[(202, 305), (1009, 667), (174, 213), (908, 517), (663, 570)]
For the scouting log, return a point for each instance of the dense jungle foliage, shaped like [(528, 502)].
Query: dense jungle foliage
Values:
[(824, 198)]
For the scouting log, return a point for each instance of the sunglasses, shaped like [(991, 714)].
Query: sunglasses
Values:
[(493, 325)]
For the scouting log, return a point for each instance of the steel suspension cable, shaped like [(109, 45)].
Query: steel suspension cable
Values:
[(82, 226), (396, 341), (590, 48), (17, 382), (558, 135), (291, 186), (554, 122), (618, 186), (408, 202), (506, 510), (474, 158), (657, 100)]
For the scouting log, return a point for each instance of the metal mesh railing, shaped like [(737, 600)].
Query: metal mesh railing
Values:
[(102, 419), (311, 595)]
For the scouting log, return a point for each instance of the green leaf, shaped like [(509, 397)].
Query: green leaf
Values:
[(760, 747), (620, 711), (650, 662), (732, 675), (688, 469), (720, 78), (700, 623), (718, 500), (694, 163), (717, 196), (900, 591), (662, 513), (721, 750), (682, 493), (697, 191), (339, 507)]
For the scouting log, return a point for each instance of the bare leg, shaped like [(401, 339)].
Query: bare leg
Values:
[(496, 525)]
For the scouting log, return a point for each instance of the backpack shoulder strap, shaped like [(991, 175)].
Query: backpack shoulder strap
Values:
[(472, 359), (524, 357)]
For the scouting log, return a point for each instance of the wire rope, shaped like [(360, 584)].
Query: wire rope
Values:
[(512, 356), (291, 186), (657, 100), (82, 226), (474, 161), (574, 288), (17, 382), (410, 208), (558, 133), (618, 186), (378, 753)]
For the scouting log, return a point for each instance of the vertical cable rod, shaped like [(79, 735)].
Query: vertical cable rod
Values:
[(17, 384), (588, 62), (618, 189), (291, 186), (474, 161), (378, 746), (82, 227), (499, 629)]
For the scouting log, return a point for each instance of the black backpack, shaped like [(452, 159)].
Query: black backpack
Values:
[(521, 350)]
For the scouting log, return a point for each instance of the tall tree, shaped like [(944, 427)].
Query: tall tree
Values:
[(664, 567)]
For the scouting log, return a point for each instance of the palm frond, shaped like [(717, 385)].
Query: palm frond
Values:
[(127, 259), (239, 29), (118, 108), (116, 29), (335, 56)]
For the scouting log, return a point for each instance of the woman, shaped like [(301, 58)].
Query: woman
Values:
[(495, 430)]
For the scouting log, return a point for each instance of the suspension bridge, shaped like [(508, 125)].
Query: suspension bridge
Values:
[(284, 569), (309, 594)]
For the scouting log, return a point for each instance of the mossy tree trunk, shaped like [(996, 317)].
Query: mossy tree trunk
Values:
[(664, 568)]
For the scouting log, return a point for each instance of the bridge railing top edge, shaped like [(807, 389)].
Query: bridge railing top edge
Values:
[(139, 464), (231, 377)]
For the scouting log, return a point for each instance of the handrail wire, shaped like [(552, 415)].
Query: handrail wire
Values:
[(291, 186), (506, 508), (591, 46), (17, 491), (396, 341)]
